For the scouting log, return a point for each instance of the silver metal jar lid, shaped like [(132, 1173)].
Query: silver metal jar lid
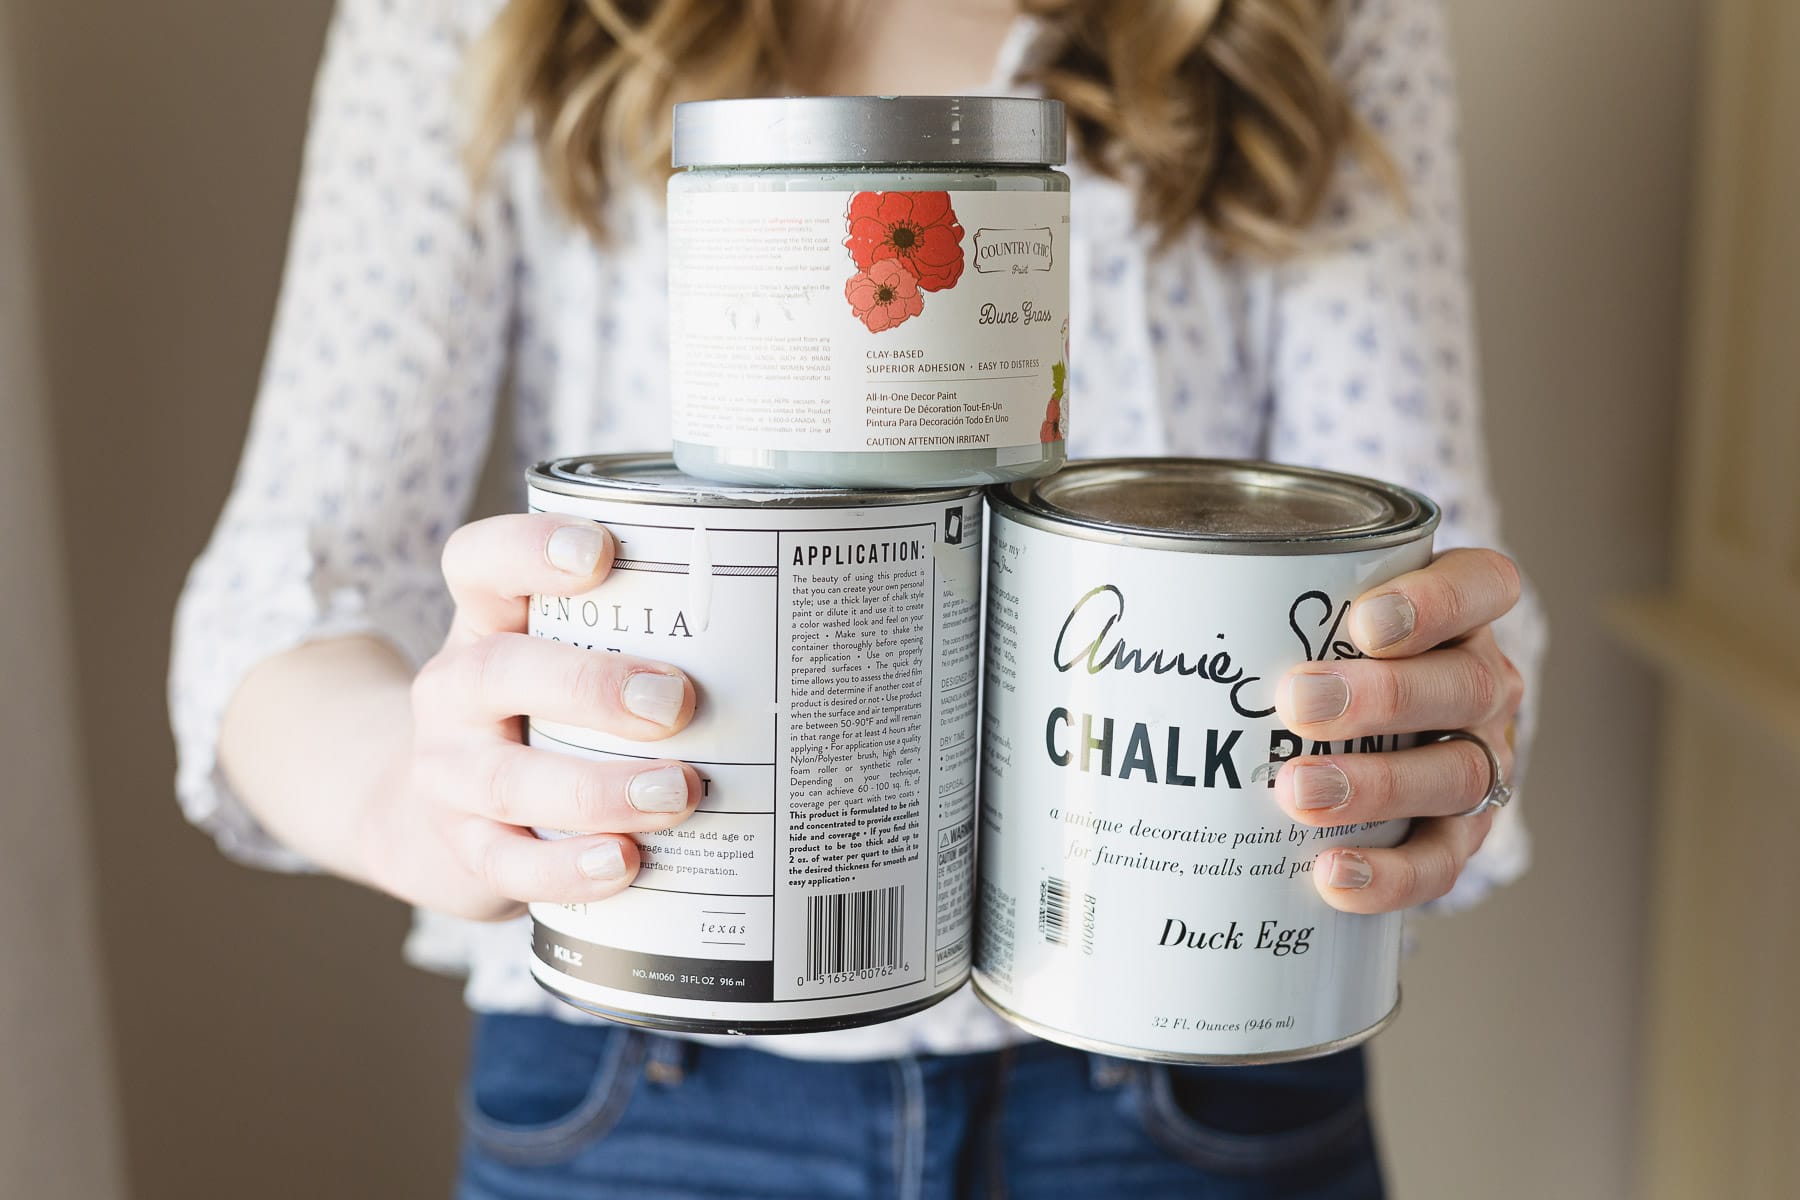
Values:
[(655, 479), (869, 130), (1218, 506)]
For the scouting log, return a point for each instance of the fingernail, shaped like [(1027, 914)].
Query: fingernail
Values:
[(603, 861), (664, 790), (1320, 785), (576, 548), (655, 697), (1382, 621), (1318, 697), (1350, 870)]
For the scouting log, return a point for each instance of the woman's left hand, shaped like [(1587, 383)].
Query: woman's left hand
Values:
[(1432, 664)]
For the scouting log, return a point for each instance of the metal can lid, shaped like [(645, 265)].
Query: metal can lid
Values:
[(1218, 506), (869, 130), (655, 479)]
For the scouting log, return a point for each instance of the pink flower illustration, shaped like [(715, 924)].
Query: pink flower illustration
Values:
[(919, 229), (884, 295)]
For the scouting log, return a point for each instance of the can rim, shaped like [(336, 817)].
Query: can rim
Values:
[(1076, 1041), (814, 131), (1417, 518), (747, 1026), (610, 475)]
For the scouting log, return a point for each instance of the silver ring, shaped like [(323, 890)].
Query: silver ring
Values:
[(1499, 791)]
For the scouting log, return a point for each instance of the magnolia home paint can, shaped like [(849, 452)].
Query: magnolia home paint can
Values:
[(826, 878), (1141, 894), (869, 291)]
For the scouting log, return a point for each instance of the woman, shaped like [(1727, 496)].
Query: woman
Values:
[(1267, 260)]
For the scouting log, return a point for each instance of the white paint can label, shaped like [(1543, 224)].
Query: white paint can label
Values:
[(1141, 892), (825, 879), (868, 320)]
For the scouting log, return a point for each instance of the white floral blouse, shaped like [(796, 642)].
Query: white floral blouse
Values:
[(410, 308)]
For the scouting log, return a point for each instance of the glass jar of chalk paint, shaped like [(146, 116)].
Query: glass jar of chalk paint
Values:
[(869, 291)]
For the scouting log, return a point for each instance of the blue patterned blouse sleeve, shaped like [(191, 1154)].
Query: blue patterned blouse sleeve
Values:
[(1371, 358), (377, 397)]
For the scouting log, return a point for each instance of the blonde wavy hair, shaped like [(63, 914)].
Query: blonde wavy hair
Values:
[(1221, 111)]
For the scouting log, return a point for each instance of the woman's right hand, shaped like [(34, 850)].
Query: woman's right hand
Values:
[(452, 828)]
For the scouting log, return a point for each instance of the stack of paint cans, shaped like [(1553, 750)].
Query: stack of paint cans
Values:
[(869, 307)]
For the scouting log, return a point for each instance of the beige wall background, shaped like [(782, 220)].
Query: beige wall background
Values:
[(268, 1041), (59, 1132)]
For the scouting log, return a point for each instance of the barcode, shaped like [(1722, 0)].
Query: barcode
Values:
[(850, 932), (1056, 920)]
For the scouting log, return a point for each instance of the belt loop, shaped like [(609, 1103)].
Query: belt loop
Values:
[(994, 1131), (909, 1127), (668, 1061), (1107, 1073)]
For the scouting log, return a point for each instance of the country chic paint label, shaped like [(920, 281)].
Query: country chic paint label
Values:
[(826, 878), (876, 320), (1141, 891)]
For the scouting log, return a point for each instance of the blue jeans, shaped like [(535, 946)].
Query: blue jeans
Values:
[(556, 1111)]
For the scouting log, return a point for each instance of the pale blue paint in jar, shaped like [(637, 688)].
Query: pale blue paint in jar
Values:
[(869, 291)]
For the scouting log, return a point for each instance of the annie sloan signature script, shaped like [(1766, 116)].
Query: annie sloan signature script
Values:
[(1090, 638)]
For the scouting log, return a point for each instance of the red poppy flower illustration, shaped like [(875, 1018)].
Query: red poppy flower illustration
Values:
[(884, 295), (919, 229)]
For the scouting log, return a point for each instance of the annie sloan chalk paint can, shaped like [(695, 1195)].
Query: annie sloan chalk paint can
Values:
[(1141, 893), (869, 291), (825, 880)]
